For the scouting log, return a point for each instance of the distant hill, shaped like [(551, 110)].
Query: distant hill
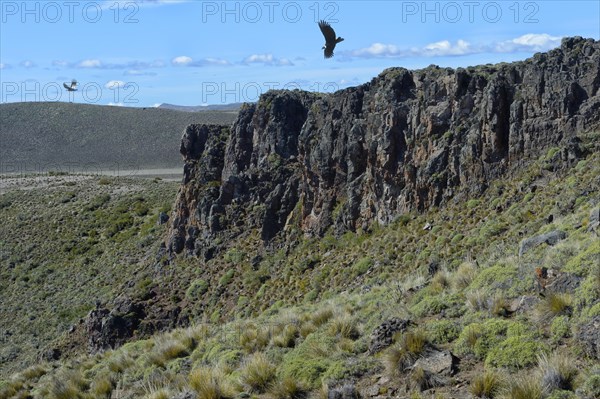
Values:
[(196, 108), (44, 136)]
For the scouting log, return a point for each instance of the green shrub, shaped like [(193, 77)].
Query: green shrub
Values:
[(480, 338), (515, 352), (362, 266), (442, 331), (310, 360), (590, 388), (560, 328), (227, 277), (197, 289)]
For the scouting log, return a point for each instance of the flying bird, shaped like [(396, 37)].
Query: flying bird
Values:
[(72, 87), (330, 39)]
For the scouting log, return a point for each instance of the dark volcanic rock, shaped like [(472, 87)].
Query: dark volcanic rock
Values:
[(550, 238), (382, 336), (405, 141), (108, 329)]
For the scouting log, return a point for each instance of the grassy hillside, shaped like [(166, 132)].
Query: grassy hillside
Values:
[(297, 322), (67, 242), (42, 136)]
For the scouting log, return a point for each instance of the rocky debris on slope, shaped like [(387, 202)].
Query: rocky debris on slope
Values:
[(551, 238), (110, 328), (588, 335), (382, 336), (346, 391), (439, 362), (594, 220), (407, 140)]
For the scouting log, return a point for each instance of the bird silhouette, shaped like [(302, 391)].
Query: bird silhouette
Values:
[(330, 38), (72, 87)]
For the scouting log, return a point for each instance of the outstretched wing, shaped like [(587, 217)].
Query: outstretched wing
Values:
[(66, 87), (328, 32)]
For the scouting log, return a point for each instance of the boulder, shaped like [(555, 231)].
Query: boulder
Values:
[(382, 336), (550, 238)]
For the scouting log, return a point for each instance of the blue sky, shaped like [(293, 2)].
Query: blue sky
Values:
[(143, 53)]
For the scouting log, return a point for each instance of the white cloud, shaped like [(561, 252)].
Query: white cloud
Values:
[(444, 47), (91, 63), (137, 72), (266, 59), (27, 64), (378, 50), (182, 60), (528, 42), (4, 66), (114, 84), (157, 105), (60, 63), (116, 104)]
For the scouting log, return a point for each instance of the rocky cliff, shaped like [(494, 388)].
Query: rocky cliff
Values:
[(407, 140)]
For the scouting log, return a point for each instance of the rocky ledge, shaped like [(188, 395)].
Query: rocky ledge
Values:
[(405, 141)]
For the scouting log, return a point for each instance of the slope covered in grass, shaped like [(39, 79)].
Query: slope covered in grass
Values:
[(297, 321)]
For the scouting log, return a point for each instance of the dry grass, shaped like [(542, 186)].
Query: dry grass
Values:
[(523, 387), (558, 372), (554, 304), (486, 385), (210, 383), (257, 373)]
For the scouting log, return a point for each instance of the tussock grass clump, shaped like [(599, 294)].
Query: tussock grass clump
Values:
[(486, 385), (440, 281), (257, 373), (254, 338), (287, 388), (554, 304), (209, 383), (102, 387), (500, 306), (346, 326), (286, 338), (322, 316), (464, 275), (477, 300), (558, 372), (405, 352), (523, 387), (63, 389), (34, 372), (118, 364)]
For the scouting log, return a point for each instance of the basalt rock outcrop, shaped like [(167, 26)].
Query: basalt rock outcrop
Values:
[(405, 141)]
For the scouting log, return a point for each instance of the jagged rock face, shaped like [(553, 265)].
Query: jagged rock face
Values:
[(407, 140)]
